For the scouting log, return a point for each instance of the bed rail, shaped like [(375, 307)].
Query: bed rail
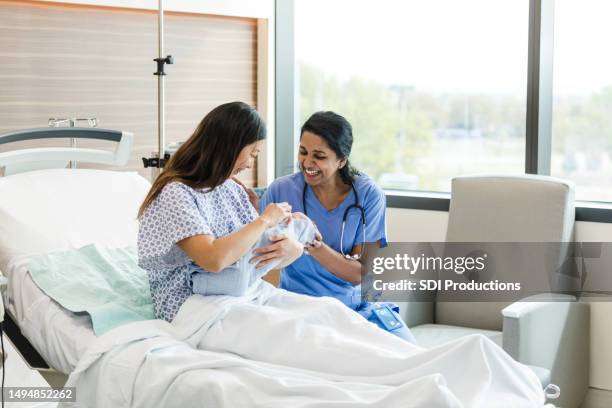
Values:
[(28, 159)]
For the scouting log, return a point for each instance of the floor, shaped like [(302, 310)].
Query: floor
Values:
[(18, 374)]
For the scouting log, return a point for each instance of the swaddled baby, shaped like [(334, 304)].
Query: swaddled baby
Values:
[(238, 277)]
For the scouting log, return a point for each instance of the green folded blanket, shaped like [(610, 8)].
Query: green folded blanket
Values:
[(106, 283)]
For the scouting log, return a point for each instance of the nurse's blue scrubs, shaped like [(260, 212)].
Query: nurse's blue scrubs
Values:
[(306, 275)]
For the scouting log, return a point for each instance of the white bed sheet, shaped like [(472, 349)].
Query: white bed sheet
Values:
[(60, 336), (276, 349)]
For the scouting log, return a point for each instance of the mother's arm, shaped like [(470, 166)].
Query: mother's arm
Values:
[(214, 255)]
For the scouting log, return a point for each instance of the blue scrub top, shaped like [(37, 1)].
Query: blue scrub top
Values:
[(306, 275)]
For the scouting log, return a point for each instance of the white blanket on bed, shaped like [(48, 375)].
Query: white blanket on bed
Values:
[(273, 348)]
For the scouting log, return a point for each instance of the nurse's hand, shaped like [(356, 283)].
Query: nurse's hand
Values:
[(312, 247), (282, 247)]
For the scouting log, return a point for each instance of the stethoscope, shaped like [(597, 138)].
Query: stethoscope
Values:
[(344, 217)]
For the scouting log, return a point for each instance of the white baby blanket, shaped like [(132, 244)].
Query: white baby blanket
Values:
[(235, 279)]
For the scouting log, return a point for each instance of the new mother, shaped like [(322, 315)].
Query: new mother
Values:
[(196, 217), (348, 209)]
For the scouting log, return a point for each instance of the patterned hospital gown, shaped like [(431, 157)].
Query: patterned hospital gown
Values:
[(179, 212)]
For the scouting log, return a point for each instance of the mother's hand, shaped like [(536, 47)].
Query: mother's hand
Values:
[(282, 248)]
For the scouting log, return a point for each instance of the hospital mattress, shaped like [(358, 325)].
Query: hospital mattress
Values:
[(59, 209)]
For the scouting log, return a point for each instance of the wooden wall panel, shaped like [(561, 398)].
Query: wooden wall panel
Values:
[(80, 61)]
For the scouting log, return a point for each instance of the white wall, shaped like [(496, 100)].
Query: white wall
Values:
[(430, 226)]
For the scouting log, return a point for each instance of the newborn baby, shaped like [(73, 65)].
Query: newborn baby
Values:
[(237, 278)]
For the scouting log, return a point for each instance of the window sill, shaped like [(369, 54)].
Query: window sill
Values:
[(588, 211), (418, 200)]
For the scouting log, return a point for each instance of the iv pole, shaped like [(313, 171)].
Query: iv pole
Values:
[(158, 159), (161, 86)]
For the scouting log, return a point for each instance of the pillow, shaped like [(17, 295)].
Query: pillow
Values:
[(59, 209)]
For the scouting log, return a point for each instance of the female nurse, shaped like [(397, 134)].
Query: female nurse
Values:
[(330, 191)]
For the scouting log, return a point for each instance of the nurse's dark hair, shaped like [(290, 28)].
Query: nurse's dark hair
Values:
[(207, 158), (338, 134)]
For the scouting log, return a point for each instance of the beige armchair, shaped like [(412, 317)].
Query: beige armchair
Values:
[(552, 337)]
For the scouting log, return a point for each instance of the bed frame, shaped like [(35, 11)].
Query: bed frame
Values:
[(28, 159), (36, 158)]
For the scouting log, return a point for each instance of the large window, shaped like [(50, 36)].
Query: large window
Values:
[(582, 97), (434, 89)]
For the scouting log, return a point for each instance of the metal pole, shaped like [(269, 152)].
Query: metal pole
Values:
[(161, 82), (73, 164)]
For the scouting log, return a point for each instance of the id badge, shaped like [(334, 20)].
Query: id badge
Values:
[(387, 317)]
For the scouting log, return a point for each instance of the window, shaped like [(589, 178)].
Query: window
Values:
[(582, 97), (433, 89)]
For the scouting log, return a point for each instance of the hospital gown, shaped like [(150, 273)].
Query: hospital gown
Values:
[(180, 212)]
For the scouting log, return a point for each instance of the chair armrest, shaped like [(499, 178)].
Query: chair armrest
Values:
[(533, 303), (554, 335), (535, 331)]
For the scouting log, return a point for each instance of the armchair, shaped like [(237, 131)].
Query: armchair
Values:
[(550, 336)]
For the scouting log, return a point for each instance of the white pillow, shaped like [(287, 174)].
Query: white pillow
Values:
[(47, 210)]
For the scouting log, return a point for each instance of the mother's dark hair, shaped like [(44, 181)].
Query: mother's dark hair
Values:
[(208, 157), (338, 134)]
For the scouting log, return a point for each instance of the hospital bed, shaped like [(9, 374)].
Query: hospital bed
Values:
[(45, 207), (87, 206)]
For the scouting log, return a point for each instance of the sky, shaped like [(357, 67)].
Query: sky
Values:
[(453, 45)]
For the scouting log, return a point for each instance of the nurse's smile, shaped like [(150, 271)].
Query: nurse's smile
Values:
[(311, 173)]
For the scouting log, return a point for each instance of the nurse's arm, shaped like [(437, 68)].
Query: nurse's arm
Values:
[(336, 263)]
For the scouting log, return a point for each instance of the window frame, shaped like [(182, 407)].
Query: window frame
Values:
[(538, 138)]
